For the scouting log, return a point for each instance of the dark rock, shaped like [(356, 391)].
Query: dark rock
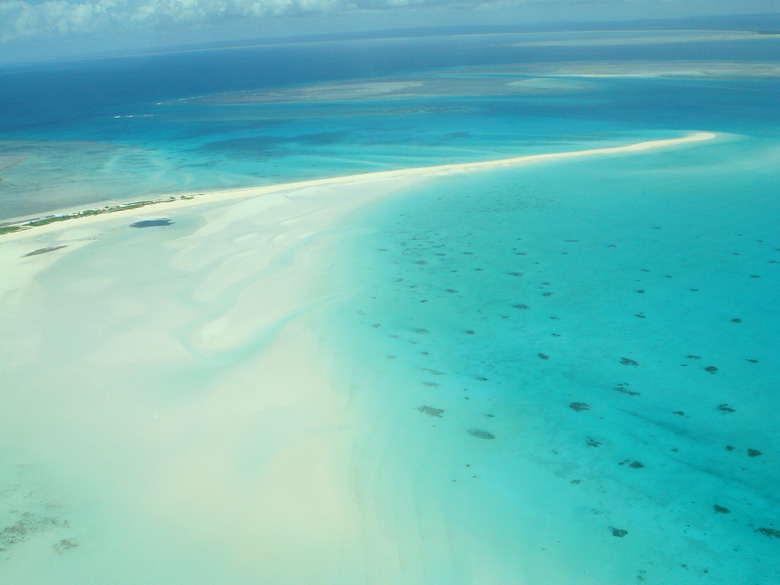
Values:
[(619, 532), (721, 509), (579, 406)]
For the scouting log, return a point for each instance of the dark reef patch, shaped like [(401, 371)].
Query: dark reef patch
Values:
[(480, 434), (40, 251), (151, 223), (431, 411), (623, 388), (65, 545)]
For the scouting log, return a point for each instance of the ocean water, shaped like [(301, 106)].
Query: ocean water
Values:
[(564, 371), (592, 349), (78, 133)]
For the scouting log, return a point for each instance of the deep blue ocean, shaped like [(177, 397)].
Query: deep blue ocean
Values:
[(127, 127), (581, 353)]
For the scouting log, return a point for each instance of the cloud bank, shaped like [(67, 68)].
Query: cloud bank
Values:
[(40, 19), (22, 18)]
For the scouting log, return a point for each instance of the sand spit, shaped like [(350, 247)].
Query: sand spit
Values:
[(178, 201)]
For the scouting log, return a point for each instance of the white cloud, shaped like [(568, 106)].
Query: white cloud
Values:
[(31, 19), (24, 18)]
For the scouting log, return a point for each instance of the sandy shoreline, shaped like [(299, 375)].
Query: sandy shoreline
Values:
[(184, 200), (195, 422)]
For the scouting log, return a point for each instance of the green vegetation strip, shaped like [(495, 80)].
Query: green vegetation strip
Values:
[(8, 229)]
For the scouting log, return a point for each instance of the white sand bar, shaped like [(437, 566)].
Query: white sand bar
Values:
[(189, 199), (172, 410)]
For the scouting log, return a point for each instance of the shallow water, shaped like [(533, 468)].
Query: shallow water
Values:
[(536, 369), (608, 327), (70, 142)]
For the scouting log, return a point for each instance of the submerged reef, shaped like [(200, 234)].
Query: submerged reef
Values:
[(40, 251), (431, 411), (480, 434), (151, 223)]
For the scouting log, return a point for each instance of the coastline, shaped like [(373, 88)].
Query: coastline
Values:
[(194, 419), (16, 227)]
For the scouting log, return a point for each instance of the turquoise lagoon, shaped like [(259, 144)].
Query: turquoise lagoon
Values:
[(591, 347), (565, 369)]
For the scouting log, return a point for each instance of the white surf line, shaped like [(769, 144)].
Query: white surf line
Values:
[(181, 200)]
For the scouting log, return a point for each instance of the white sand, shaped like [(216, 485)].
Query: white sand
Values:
[(171, 408), (294, 189)]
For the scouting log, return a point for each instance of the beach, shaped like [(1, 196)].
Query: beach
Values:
[(399, 309), (181, 405)]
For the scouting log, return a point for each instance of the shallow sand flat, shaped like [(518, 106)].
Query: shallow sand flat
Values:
[(421, 86), (640, 69), (173, 411), (638, 38)]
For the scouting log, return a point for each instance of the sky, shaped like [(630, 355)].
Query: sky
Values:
[(38, 29)]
